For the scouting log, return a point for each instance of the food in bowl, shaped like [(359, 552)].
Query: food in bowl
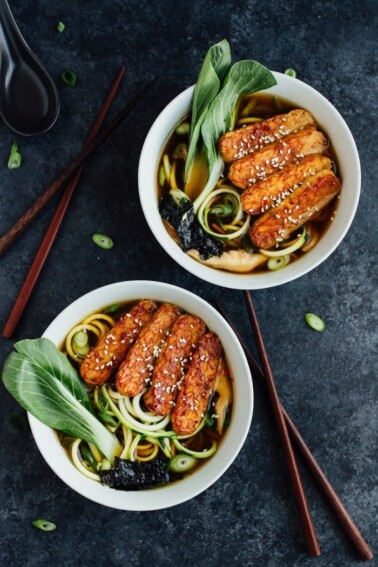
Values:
[(140, 392), (248, 181)]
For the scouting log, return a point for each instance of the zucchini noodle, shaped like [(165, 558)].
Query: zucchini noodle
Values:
[(94, 328), (231, 207), (143, 435)]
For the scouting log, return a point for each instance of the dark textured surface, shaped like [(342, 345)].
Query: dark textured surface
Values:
[(327, 381)]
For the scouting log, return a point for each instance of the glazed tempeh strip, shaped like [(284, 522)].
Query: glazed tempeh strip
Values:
[(111, 349), (169, 369), (249, 170), (270, 192), (137, 367), (277, 224), (197, 385), (244, 141)]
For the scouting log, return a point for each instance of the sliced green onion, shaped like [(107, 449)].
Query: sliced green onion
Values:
[(102, 241), (182, 463), (315, 322), (198, 454), (87, 455), (69, 77), (112, 308), (295, 246), (162, 175), (44, 525), (291, 72), (60, 27), (275, 264), (183, 129), (180, 151), (15, 158)]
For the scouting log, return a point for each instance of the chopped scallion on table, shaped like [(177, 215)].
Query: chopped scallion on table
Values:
[(315, 322), (291, 72), (44, 525), (102, 241), (15, 158), (60, 27), (69, 77)]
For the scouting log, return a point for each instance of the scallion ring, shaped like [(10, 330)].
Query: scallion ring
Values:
[(181, 463), (275, 264), (69, 77), (295, 246), (44, 525), (291, 72), (60, 27), (15, 158), (183, 129), (102, 241), (315, 322)]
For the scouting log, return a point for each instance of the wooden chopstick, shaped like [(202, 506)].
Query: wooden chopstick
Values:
[(10, 236), (350, 528), (52, 231), (299, 494)]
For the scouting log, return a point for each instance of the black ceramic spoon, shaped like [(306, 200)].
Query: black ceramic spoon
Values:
[(29, 100)]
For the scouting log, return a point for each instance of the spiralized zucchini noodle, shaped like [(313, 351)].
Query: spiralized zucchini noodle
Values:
[(92, 328), (143, 435)]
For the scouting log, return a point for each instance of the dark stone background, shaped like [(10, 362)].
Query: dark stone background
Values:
[(326, 380)]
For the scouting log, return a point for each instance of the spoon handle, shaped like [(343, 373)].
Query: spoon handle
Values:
[(10, 36)]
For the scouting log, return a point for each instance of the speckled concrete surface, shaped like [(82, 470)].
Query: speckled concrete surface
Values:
[(327, 381)]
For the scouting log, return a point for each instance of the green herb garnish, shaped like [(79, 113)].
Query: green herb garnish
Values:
[(102, 241), (15, 158), (315, 322), (44, 525), (290, 72), (69, 77), (60, 27)]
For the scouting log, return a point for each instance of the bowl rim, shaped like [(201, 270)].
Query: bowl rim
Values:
[(229, 279), (163, 497)]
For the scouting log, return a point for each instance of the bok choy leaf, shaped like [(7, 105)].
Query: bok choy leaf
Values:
[(244, 77), (44, 383), (213, 70)]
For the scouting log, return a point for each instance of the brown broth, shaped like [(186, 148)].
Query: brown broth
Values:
[(266, 106)]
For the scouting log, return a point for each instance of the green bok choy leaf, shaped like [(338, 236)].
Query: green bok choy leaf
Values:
[(44, 383), (244, 77), (214, 68)]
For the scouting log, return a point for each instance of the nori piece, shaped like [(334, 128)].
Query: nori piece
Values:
[(190, 232), (135, 475)]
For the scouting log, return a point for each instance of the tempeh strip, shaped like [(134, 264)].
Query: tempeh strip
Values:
[(135, 370), (197, 385), (270, 192), (276, 156), (111, 349), (276, 225), (161, 397), (244, 141)]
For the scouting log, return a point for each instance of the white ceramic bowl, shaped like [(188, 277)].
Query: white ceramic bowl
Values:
[(187, 488), (344, 146)]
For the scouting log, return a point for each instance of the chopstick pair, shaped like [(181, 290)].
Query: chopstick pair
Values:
[(352, 531), (72, 173)]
